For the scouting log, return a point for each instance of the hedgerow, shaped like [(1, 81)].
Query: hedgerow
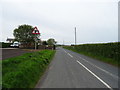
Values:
[(108, 52)]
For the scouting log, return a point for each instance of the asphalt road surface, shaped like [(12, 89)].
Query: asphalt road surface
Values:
[(72, 70)]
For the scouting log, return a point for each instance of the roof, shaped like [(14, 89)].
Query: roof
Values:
[(9, 39)]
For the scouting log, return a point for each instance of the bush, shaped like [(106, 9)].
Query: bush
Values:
[(24, 71)]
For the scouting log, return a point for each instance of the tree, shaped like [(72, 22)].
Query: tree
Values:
[(23, 34), (51, 41), (44, 43)]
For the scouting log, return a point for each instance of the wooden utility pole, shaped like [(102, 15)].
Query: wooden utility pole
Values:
[(75, 35)]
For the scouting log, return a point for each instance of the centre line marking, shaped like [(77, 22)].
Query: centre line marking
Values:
[(70, 55), (95, 75), (65, 51)]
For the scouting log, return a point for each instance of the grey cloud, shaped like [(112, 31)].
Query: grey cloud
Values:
[(95, 22)]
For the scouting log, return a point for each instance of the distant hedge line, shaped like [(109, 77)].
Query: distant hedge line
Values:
[(24, 71), (107, 50), (5, 45)]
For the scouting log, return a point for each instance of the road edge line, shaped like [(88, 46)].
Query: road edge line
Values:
[(105, 71), (95, 75)]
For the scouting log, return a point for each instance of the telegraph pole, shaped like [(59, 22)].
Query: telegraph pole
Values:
[(75, 35)]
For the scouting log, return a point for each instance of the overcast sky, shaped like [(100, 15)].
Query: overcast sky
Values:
[(96, 20)]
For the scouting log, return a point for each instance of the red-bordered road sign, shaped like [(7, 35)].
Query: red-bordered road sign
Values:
[(35, 31)]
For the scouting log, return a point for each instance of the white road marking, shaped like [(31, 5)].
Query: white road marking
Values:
[(95, 75), (70, 55), (65, 51), (100, 68), (114, 76)]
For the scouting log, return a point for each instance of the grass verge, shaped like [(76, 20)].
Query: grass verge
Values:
[(24, 71), (101, 58)]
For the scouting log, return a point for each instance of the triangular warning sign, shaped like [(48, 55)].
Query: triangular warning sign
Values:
[(35, 31)]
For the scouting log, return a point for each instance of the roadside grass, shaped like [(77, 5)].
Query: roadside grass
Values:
[(25, 71), (97, 57)]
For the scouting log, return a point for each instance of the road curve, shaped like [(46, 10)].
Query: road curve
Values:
[(72, 70)]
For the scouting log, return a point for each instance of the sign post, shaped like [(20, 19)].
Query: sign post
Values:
[(35, 42), (36, 32)]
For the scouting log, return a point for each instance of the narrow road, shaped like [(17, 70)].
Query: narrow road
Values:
[(72, 70)]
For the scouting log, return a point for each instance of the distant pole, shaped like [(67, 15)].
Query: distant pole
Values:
[(75, 35), (63, 42)]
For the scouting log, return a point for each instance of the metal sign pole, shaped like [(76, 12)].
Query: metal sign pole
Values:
[(35, 44), (36, 32)]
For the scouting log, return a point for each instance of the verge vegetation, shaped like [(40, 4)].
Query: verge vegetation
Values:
[(25, 71), (107, 52)]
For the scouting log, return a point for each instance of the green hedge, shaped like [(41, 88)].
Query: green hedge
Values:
[(24, 71), (5, 45), (110, 51)]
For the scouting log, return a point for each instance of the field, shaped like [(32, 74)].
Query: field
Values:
[(24, 71), (107, 52)]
